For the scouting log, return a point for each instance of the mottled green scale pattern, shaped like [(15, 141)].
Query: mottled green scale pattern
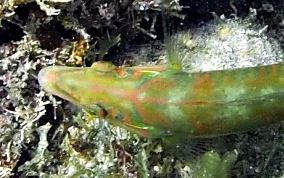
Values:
[(217, 102), (157, 102)]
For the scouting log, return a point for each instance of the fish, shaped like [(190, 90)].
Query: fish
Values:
[(161, 101)]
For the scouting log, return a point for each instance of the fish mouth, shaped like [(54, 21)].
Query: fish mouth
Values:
[(47, 78), (52, 81)]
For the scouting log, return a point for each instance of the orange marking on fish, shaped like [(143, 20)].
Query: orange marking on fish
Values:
[(136, 74), (101, 113), (203, 86), (261, 75), (157, 100), (153, 116), (151, 68), (228, 80), (126, 117), (204, 82), (121, 71), (112, 113), (140, 105), (251, 81), (256, 82), (193, 103), (274, 69), (52, 76), (148, 84)]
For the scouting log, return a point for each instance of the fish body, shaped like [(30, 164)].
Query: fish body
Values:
[(157, 101)]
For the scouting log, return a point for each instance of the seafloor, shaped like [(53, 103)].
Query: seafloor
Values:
[(42, 135)]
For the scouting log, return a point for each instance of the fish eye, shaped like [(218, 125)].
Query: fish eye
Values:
[(123, 72), (118, 116), (114, 114), (105, 113)]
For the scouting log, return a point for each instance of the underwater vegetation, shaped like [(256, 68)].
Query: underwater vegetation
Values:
[(226, 67)]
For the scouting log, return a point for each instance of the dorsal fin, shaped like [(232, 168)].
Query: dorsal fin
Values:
[(173, 56), (171, 43)]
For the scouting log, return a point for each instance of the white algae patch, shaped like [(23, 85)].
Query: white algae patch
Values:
[(228, 44)]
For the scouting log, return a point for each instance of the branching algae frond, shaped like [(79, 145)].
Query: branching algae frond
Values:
[(211, 165)]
